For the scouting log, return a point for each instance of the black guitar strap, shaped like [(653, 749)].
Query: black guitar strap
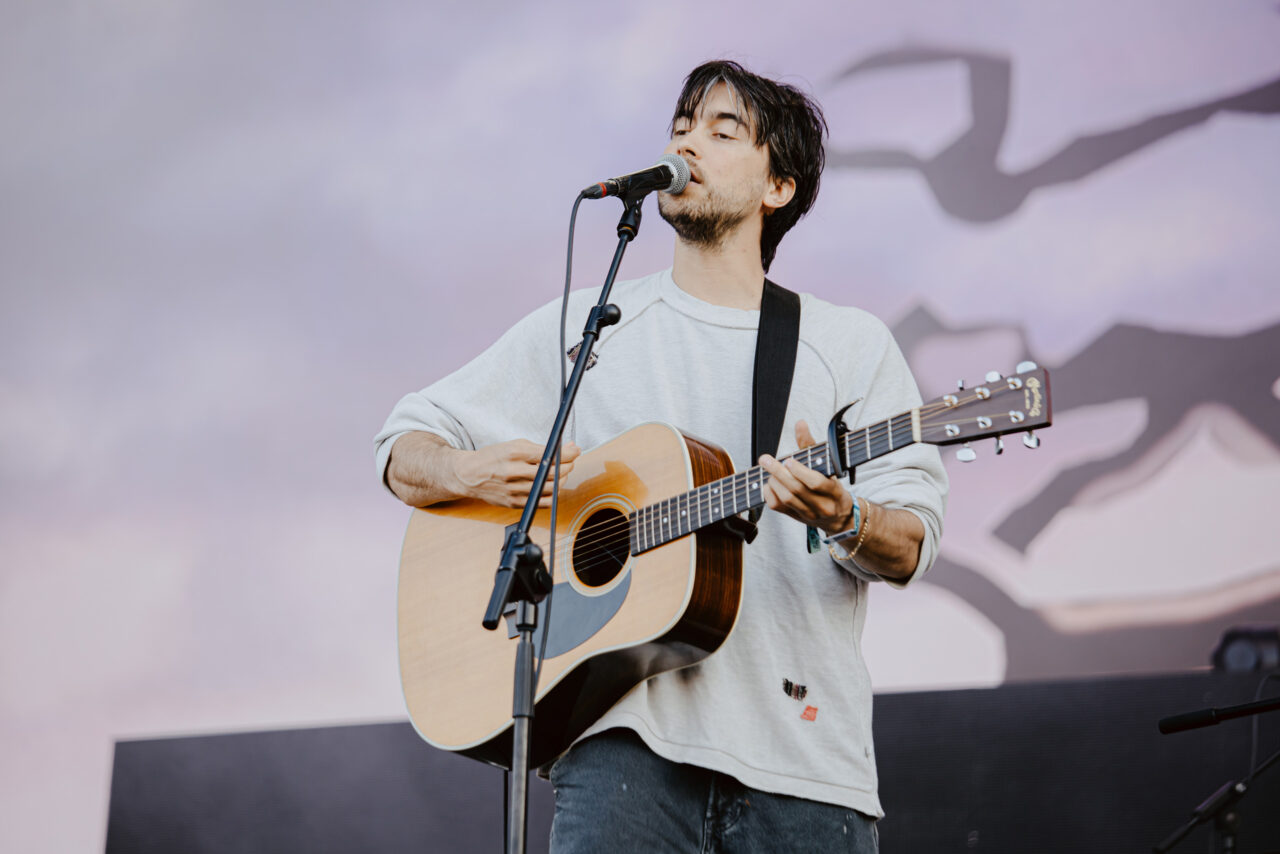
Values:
[(776, 342)]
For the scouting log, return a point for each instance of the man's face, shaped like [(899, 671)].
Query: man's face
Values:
[(730, 180)]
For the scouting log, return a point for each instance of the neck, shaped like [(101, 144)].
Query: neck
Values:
[(729, 274)]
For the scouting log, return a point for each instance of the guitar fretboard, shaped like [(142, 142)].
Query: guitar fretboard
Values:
[(675, 517)]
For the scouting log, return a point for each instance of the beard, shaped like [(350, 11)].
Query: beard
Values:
[(704, 224)]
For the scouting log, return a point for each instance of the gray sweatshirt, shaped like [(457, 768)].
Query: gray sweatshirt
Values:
[(679, 360)]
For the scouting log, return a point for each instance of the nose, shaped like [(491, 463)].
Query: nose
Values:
[(684, 146)]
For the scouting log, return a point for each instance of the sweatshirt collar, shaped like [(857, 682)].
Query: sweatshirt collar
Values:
[(687, 304)]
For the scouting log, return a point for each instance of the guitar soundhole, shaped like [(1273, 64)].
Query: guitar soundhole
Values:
[(602, 547)]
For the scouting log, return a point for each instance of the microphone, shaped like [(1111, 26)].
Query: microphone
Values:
[(1189, 720), (1211, 717), (670, 174)]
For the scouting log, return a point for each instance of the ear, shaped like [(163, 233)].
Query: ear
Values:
[(780, 192)]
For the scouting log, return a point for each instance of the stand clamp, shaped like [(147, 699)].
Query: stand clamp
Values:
[(600, 317), (521, 568)]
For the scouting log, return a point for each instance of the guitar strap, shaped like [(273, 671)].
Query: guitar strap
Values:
[(776, 342)]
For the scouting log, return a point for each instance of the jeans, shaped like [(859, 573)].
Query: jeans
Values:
[(614, 795)]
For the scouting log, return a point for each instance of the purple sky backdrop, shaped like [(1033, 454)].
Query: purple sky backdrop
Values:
[(233, 234)]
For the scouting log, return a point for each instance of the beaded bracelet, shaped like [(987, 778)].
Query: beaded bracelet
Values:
[(865, 527)]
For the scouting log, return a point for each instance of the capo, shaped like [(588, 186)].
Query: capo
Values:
[(836, 431), (736, 526)]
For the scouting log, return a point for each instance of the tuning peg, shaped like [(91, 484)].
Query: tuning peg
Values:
[(994, 376), (999, 445), (966, 454), (1031, 440), (1023, 367), (959, 385)]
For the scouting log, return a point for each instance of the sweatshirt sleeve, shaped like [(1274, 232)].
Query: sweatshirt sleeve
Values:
[(509, 391), (911, 478)]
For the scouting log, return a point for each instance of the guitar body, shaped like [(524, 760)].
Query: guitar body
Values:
[(616, 618)]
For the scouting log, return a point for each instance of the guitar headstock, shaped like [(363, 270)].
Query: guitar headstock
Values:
[(997, 406)]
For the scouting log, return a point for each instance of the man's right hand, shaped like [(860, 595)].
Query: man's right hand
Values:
[(502, 474), (424, 469)]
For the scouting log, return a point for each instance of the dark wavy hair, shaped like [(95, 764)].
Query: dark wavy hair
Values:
[(787, 121)]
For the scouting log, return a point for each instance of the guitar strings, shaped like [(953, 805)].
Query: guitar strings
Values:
[(600, 553), (735, 487), (703, 500)]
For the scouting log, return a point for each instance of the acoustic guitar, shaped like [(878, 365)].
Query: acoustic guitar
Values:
[(648, 579)]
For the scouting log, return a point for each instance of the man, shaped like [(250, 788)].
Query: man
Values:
[(766, 745)]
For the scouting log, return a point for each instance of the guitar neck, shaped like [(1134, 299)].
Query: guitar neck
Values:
[(675, 517)]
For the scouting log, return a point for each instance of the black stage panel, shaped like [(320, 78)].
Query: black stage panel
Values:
[(1068, 766), (1024, 769), (375, 788)]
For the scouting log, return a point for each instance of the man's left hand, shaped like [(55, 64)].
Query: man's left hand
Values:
[(804, 494)]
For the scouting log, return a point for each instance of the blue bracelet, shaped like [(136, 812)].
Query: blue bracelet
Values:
[(852, 532)]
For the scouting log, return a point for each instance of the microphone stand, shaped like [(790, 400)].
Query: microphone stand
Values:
[(522, 577), (1220, 806)]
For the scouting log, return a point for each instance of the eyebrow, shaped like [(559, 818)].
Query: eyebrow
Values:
[(732, 117), (718, 117)]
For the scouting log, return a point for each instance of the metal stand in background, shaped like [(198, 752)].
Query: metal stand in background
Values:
[(522, 577), (1220, 807)]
